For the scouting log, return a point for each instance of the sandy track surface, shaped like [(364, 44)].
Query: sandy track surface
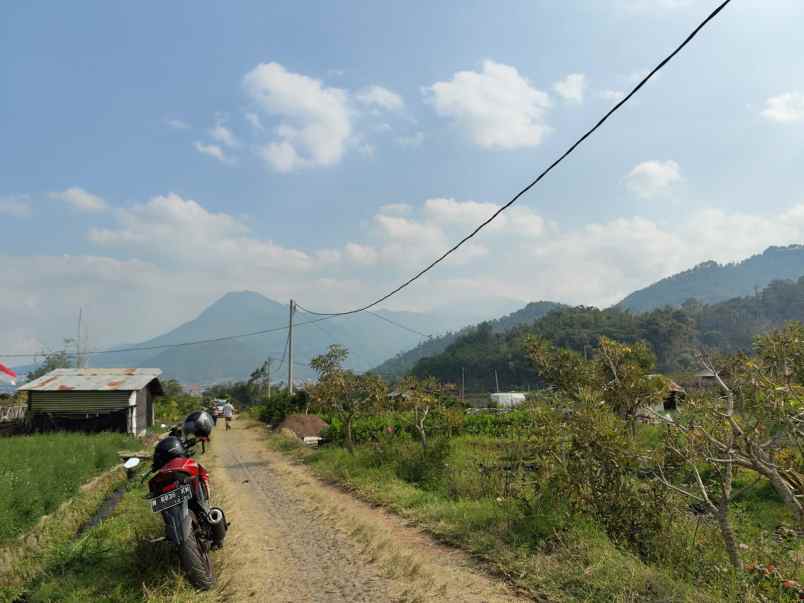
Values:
[(294, 538)]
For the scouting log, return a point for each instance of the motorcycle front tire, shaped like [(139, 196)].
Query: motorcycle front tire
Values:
[(194, 556)]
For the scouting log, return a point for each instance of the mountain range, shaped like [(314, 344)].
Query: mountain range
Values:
[(368, 336), (378, 344)]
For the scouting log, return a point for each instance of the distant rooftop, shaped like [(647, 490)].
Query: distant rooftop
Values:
[(93, 379)]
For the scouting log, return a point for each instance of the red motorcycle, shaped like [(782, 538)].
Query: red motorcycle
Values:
[(179, 490)]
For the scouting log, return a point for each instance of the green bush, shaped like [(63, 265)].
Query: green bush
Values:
[(444, 422)]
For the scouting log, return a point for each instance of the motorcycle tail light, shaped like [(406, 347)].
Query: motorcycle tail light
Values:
[(169, 487)]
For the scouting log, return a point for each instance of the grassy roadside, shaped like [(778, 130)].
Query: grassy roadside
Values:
[(115, 562), (576, 564), (112, 561)]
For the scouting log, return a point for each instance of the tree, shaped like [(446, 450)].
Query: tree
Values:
[(421, 397), (757, 423), (703, 435), (52, 361), (260, 380), (618, 374), (343, 392)]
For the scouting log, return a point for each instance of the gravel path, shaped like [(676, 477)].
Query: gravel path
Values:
[(294, 538)]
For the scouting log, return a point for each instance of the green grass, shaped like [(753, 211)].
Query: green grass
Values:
[(115, 562), (22, 559), (39, 472)]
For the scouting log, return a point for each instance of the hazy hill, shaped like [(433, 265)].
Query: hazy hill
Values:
[(403, 362), (368, 338), (711, 282)]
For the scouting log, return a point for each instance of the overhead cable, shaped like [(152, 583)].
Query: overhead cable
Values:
[(544, 173), (169, 345)]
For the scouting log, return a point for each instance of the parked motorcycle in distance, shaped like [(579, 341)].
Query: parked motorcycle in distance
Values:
[(179, 490)]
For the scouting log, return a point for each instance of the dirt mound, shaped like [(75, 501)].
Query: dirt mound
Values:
[(303, 425)]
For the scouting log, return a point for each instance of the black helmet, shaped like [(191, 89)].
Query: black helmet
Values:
[(198, 424), (166, 450)]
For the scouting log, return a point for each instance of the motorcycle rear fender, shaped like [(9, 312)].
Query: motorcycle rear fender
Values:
[(175, 523)]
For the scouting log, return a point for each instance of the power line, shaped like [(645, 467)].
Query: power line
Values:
[(284, 353), (397, 324), (332, 336), (170, 345), (377, 314), (544, 173)]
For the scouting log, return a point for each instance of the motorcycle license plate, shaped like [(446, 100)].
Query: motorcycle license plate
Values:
[(171, 499)]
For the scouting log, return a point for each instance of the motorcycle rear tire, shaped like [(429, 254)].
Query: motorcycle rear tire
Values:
[(194, 556)]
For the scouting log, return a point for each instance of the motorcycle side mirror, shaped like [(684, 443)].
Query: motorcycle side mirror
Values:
[(131, 466)]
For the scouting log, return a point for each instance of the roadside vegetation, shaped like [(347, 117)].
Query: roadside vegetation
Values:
[(116, 562), (574, 496), (39, 472)]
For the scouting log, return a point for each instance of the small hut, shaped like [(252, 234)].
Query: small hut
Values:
[(94, 399)]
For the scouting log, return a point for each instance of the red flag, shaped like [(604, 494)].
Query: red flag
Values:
[(8, 371)]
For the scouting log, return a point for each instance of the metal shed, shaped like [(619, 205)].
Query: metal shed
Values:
[(94, 398)]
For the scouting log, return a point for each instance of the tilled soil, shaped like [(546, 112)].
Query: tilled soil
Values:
[(294, 538)]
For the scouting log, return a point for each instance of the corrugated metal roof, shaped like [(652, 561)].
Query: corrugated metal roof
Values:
[(93, 379)]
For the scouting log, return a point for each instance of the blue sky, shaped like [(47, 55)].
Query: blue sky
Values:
[(157, 155)]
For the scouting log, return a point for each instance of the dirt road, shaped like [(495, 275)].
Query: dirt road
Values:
[(294, 538)]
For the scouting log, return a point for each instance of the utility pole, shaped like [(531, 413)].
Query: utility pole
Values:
[(78, 340), (290, 348), (268, 362), (497, 381)]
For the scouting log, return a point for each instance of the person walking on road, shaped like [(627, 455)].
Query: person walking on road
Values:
[(228, 413)]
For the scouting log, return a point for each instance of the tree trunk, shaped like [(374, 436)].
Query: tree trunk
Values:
[(422, 435), (727, 532), (350, 445), (785, 492)]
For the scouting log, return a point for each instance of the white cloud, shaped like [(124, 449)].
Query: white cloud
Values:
[(516, 221), (16, 206), (650, 179), (380, 97), (315, 124), (612, 95), (80, 199), (213, 239), (223, 135), (785, 108), (572, 87), (497, 107), (183, 256), (177, 124), (361, 254), (213, 150), (254, 120)]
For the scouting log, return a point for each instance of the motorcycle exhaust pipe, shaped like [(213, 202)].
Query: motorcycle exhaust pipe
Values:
[(217, 521)]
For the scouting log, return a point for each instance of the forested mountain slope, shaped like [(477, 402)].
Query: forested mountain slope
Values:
[(403, 362), (673, 333)]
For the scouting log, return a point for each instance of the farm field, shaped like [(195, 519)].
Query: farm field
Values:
[(39, 472)]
